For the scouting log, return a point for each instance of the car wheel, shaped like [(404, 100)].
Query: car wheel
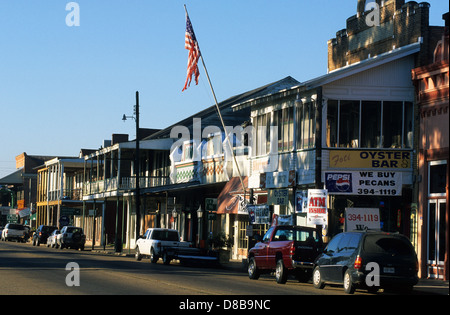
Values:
[(137, 254), (317, 279), (349, 287), (153, 257), (280, 272), (253, 271)]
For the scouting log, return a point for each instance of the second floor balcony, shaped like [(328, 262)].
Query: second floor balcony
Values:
[(125, 184)]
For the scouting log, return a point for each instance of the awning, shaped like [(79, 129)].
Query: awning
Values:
[(231, 196), (14, 178)]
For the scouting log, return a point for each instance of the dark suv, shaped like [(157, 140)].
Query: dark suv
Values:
[(72, 237), (41, 234), (370, 260)]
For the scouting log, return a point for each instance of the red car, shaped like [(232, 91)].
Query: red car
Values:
[(286, 250)]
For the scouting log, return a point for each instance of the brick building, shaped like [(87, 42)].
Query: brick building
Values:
[(390, 24), (432, 97)]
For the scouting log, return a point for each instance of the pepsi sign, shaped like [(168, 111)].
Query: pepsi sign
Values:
[(339, 182)]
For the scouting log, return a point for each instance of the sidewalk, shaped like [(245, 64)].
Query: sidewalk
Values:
[(424, 287)]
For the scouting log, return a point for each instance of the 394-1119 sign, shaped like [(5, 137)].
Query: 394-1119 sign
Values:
[(362, 219)]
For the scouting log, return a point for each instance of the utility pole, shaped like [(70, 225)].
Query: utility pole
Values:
[(137, 170), (136, 165)]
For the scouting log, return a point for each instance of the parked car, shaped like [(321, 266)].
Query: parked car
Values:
[(14, 231), (286, 249), (355, 259), (52, 239), (72, 237), (41, 234), (157, 241)]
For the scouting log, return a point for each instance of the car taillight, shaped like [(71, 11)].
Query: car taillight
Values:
[(292, 252), (358, 263)]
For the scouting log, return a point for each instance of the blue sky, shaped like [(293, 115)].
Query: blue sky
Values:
[(65, 88)]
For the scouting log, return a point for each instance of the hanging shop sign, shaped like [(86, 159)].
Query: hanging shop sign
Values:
[(364, 183), (362, 219), (370, 159), (278, 197), (317, 207), (258, 214)]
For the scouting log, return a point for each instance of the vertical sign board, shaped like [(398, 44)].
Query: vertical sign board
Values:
[(317, 207), (362, 219), (278, 197), (301, 199)]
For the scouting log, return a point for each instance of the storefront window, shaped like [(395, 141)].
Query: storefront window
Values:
[(285, 128), (370, 124), (306, 125), (349, 124), (392, 124), (408, 125), (438, 178), (262, 142), (332, 123)]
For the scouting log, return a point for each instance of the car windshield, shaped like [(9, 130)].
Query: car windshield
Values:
[(384, 244)]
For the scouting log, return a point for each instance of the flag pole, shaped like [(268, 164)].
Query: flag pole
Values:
[(219, 114)]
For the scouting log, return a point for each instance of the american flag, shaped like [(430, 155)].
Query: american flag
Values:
[(194, 54)]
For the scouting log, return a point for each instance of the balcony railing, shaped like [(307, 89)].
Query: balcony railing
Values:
[(126, 183), (68, 194)]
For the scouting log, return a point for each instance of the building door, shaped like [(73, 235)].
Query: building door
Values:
[(436, 238)]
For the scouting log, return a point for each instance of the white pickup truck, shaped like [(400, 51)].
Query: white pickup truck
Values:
[(14, 231), (165, 243)]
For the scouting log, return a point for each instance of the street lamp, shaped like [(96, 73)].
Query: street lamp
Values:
[(136, 165), (200, 226)]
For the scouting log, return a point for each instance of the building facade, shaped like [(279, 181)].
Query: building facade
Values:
[(20, 192), (432, 97)]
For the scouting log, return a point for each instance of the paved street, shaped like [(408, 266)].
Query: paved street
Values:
[(25, 269), (29, 270)]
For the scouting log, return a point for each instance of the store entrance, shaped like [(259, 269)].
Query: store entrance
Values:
[(436, 238)]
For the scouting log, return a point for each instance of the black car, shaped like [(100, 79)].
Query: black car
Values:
[(369, 259), (42, 233)]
